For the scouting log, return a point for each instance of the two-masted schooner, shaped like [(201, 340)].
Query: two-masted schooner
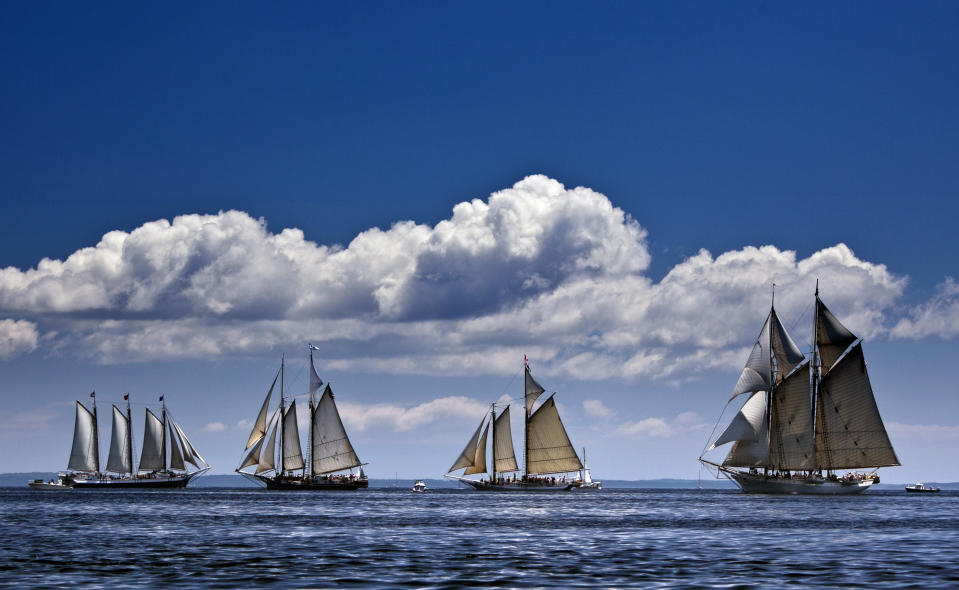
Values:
[(805, 419), (330, 450), (163, 459), (547, 450)]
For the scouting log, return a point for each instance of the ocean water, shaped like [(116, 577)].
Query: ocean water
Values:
[(456, 538)]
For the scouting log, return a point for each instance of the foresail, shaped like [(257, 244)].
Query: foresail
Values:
[(119, 459), (259, 427), (83, 454), (756, 373), (533, 390), (252, 456), (468, 455), (791, 441), (503, 453), (332, 450), (785, 351), (151, 457), (747, 423), (479, 457), (189, 451), (176, 458), (752, 453), (832, 337), (292, 454), (849, 430), (548, 449), (268, 456)]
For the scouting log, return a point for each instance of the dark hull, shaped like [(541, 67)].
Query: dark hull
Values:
[(313, 485), (922, 490), (518, 486), (140, 483)]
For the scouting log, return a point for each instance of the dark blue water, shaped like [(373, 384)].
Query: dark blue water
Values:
[(451, 538)]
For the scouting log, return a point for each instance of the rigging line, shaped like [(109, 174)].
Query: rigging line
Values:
[(715, 426), (801, 317)]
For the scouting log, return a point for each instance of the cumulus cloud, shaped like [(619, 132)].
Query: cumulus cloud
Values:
[(662, 427), (937, 317), (17, 337), (555, 273), (923, 432), (362, 417), (597, 408), (214, 427)]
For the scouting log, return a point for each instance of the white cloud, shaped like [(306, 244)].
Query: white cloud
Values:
[(17, 337), (244, 424), (662, 427), (214, 427), (937, 317), (597, 408), (362, 417), (538, 269), (923, 432)]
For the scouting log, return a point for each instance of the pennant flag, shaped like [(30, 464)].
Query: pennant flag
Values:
[(127, 396), (161, 398), (313, 347), (93, 394)]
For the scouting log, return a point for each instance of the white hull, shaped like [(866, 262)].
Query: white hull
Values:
[(759, 484)]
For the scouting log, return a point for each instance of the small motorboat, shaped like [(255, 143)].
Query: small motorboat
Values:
[(419, 486), (920, 487), (62, 482)]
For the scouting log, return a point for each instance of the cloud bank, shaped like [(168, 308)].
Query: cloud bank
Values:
[(537, 268)]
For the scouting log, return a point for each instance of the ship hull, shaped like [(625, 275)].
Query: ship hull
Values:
[(759, 484), (139, 483), (518, 486), (312, 485)]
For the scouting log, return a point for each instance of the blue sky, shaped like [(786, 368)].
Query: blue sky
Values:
[(608, 188)]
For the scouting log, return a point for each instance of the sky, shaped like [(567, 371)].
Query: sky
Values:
[(428, 191)]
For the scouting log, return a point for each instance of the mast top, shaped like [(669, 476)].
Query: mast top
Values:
[(817, 286), (773, 304)]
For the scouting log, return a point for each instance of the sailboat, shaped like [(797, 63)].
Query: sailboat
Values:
[(547, 449), (805, 419), (163, 460), (330, 450), (585, 479)]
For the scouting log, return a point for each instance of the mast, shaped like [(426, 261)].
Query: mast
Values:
[(526, 414), (814, 392), (309, 450), (130, 438), (492, 418), (772, 377), (282, 414), (96, 433), (163, 435)]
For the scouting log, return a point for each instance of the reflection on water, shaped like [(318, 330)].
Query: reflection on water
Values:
[(448, 538)]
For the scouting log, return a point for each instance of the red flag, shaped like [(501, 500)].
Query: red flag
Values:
[(526, 360), (127, 396), (93, 394)]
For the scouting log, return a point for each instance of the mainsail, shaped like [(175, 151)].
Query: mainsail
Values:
[(119, 460), (791, 442), (292, 454), (332, 450), (152, 456), (548, 449), (503, 454), (83, 454)]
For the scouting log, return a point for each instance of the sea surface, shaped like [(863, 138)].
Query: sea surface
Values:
[(207, 537)]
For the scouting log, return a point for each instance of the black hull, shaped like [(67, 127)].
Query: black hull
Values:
[(140, 483), (313, 485), (518, 486), (923, 491)]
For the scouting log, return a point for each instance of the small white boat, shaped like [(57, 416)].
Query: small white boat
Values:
[(586, 481), (419, 486), (920, 487), (62, 482)]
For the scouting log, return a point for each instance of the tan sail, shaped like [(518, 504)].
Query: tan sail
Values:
[(292, 454), (532, 391), (332, 450), (119, 459), (468, 456), (259, 427), (548, 449), (849, 430), (479, 458), (252, 456), (832, 337), (785, 351), (756, 374), (189, 451), (268, 456), (83, 454), (151, 457), (791, 441), (505, 456)]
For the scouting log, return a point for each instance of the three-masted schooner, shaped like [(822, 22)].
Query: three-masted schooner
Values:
[(805, 419), (330, 450), (548, 451), (163, 459)]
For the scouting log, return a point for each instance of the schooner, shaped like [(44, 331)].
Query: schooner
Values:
[(330, 450), (163, 459), (805, 419), (547, 449)]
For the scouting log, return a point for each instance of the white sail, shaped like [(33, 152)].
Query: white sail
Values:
[(548, 449), (832, 337), (785, 351), (747, 424), (479, 458), (292, 454), (315, 382), (151, 457), (791, 442), (468, 456), (176, 458), (332, 450), (503, 454), (119, 459), (259, 427), (184, 446), (189, 452), (849, 430), (268, 457), (83, 455), (752, 453), (756, 374), (252, 456), (533, 390)]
